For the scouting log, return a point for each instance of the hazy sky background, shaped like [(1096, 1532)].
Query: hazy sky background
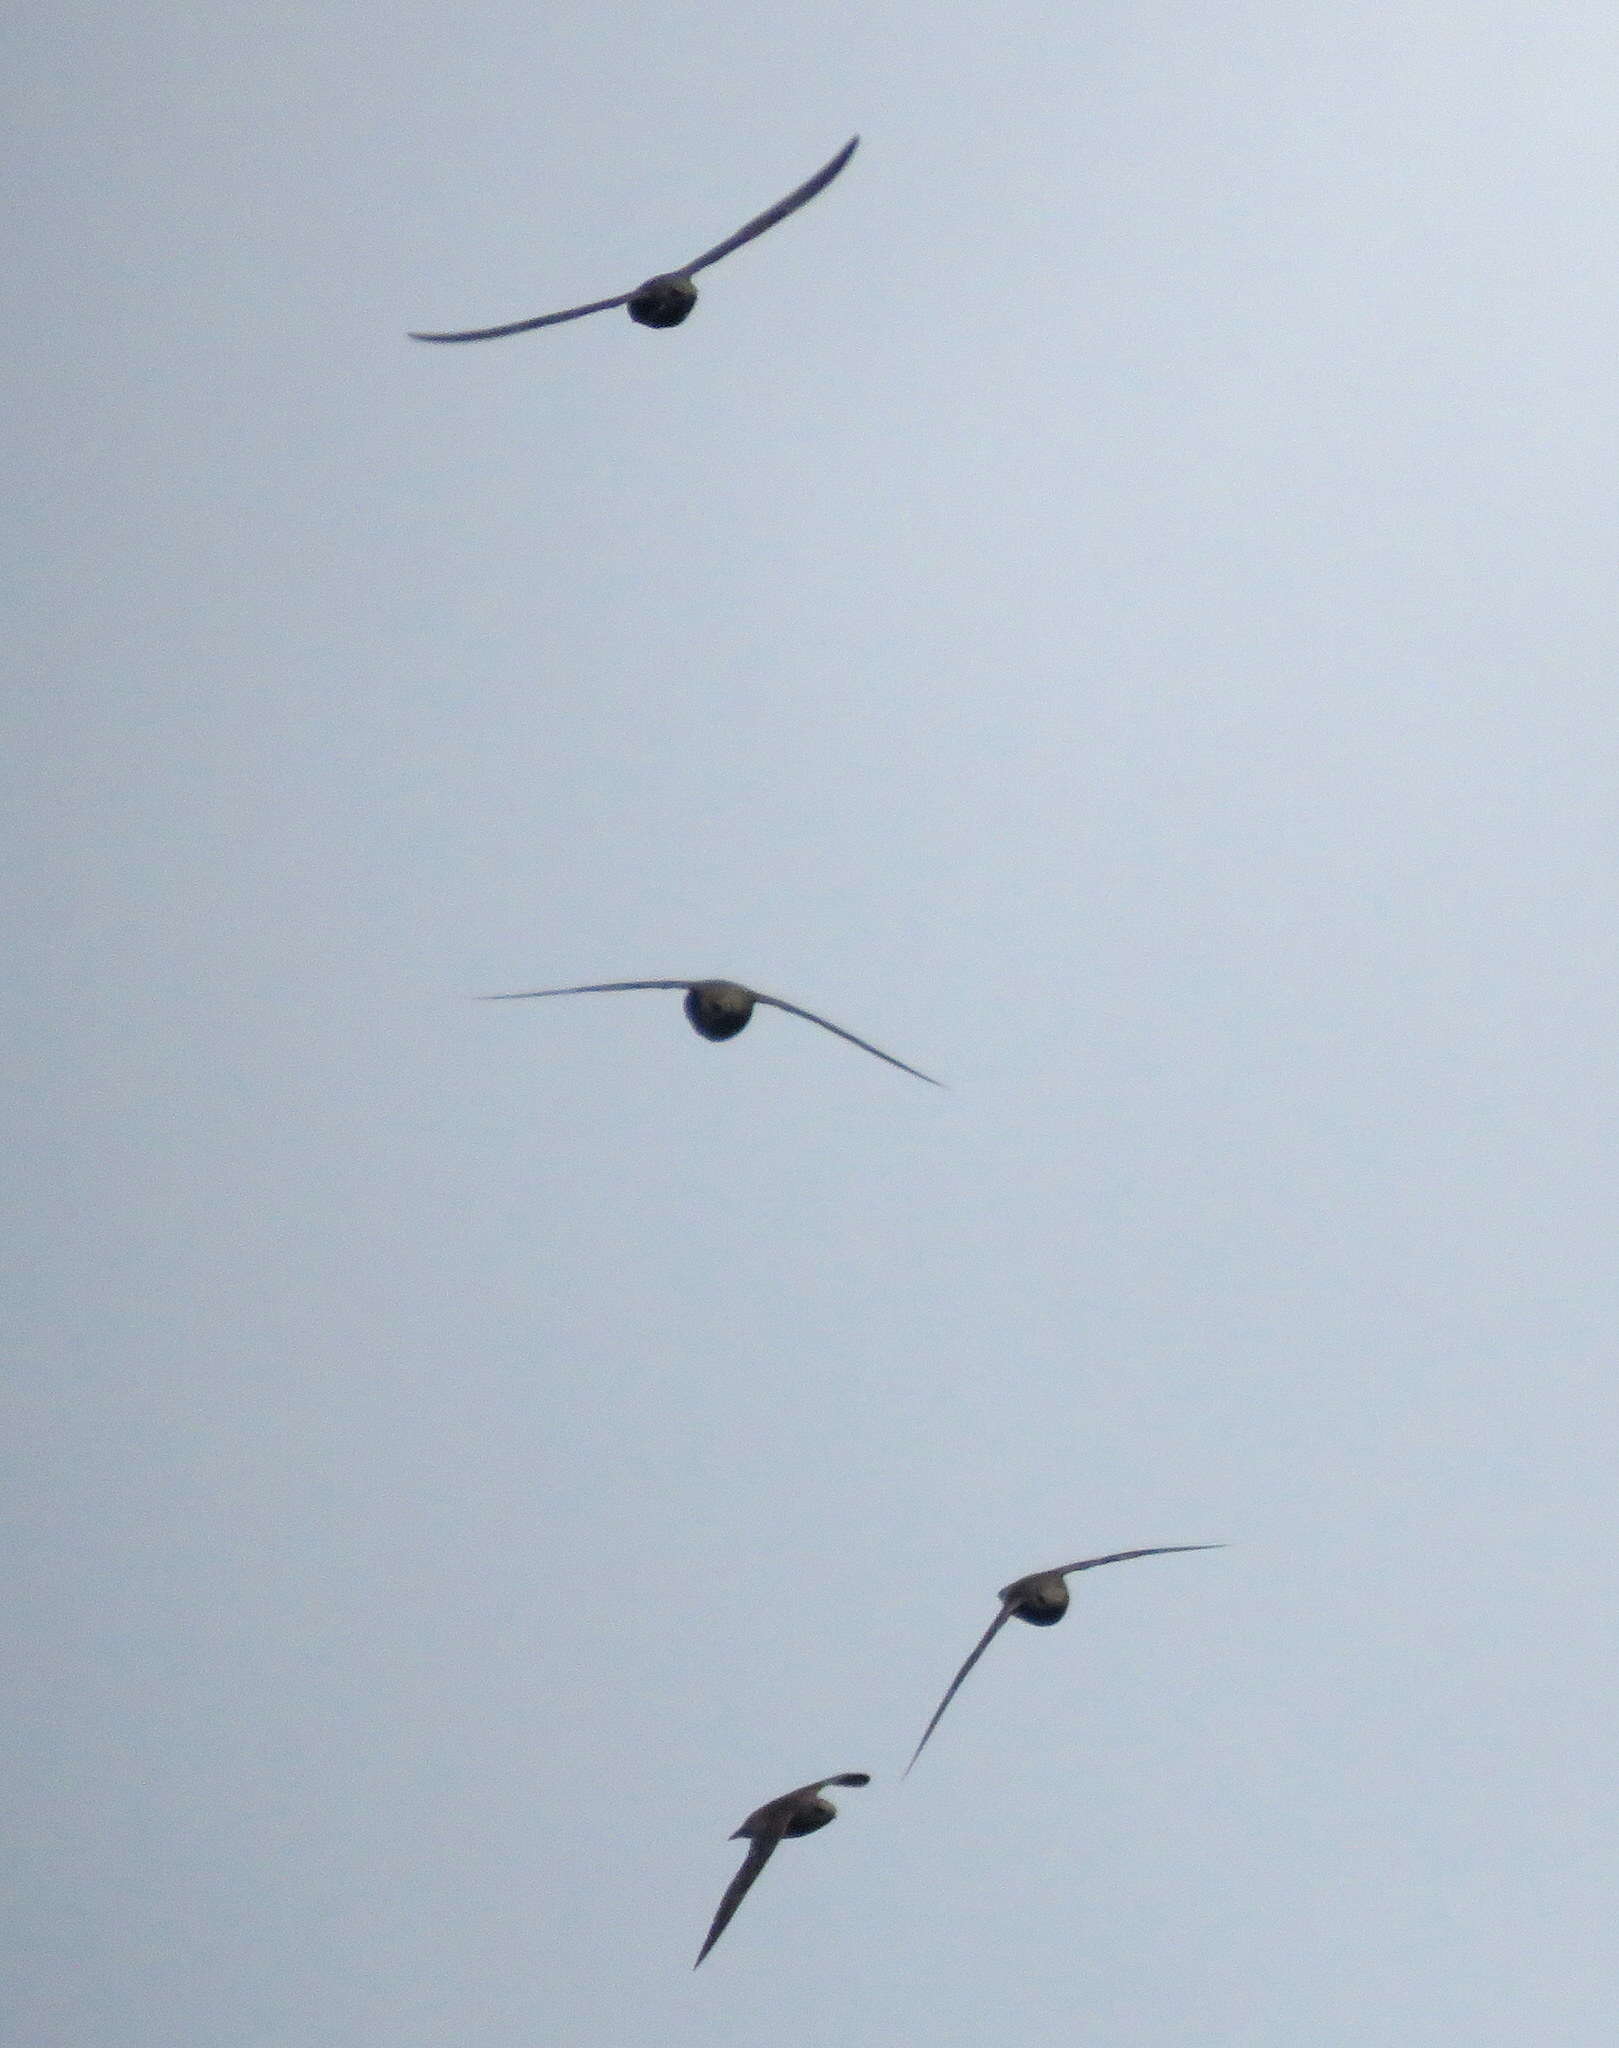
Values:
[(1115, 602)]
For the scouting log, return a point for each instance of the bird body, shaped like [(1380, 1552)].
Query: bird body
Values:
[(803, 1811), (802, 1817), (662, 301), (1040, 1598), (718, 1010), (665, 300)]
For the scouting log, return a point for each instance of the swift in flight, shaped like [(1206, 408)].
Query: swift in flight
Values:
[(1040, 1598), (799, 1812), (665, 300), (716, 1009)]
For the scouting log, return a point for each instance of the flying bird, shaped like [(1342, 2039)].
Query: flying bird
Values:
[(716, 1009), (794, 1813), (665, 300), (1040, 1598)]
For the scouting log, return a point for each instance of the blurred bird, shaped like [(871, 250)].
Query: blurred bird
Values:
[(716, 1009), (794, 1813), (1040, 1598), (665, 300)]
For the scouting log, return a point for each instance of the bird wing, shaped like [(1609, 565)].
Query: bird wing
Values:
[(804, 1795), (760, 1851), (768, 219), (523, 326), (838, 1031), (1123, 1556), (984, 1642), (584, 988)]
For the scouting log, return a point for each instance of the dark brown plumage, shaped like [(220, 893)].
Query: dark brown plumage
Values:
[(1040, 1598), (717, 1010), (665, 300), (799, 1812)]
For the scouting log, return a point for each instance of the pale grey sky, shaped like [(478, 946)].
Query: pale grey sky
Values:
[(1115, 602)]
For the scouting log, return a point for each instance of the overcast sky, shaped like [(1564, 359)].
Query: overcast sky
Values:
[(1116, 603)]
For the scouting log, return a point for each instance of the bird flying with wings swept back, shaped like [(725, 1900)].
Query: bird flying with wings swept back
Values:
[(799, 1812), (1040, 1598)]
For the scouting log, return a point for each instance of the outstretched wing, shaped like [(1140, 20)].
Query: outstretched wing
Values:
[(838, 1031), (760, 1851), (584, 988), (1124, 1556), (768, 219), (984, 1642), (523, 326)]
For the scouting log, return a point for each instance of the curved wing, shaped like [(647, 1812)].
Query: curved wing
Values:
[(1123, 1556), (838, 1031), (984, 1642), (805, 1795), (583, 988), (760, 1851), (768, 219), (523, 326)]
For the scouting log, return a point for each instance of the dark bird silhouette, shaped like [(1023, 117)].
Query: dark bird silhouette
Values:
[(799, 1812), (665, 300), (1040, 1598), (716, 1009)]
